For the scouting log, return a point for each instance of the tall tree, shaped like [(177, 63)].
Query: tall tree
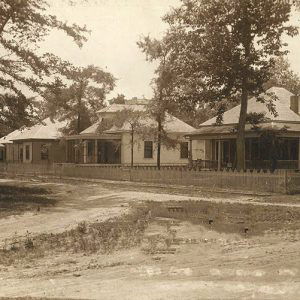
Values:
[(79, 102), (158, 51), (23, 25), (225, 48)]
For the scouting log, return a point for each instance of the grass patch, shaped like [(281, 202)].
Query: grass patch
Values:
[(17, 200), (104, 237)]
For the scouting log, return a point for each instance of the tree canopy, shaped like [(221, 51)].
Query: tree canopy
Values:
[(223, 50), (80, 100), (23, 25)]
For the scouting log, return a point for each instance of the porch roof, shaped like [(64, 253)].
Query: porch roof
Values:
[(94, 136), (230, 129)]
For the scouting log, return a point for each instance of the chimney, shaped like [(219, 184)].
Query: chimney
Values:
[(294, 104)]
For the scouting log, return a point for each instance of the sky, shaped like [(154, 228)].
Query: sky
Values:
[(116, 26)]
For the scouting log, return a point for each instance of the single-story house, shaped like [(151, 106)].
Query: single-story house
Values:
[(113, 145), (9, 151), (214, 146), (40, 143)]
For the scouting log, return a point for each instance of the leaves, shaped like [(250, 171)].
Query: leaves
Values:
[(23, 25), (79, 101)]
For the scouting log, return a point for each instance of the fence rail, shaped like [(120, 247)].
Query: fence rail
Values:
[(281, 181)]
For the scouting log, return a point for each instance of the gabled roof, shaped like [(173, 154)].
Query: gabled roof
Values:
[(171, 125), (282, 106), (48, 130)]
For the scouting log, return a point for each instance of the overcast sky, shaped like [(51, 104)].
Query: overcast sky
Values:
[(116, 26)]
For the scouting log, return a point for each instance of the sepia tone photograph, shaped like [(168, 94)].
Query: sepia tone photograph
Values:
[(149, 149)]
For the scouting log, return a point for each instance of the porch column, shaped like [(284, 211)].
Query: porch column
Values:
[(219, 154), (191, 151), (84, 152), (96, 152)]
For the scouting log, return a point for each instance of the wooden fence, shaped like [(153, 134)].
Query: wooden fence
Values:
[(281, 181)]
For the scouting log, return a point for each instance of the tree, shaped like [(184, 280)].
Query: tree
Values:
[(156, 50), (225, 49), (15, 112), (23, 25), (284, 76), (131, 119), (120, 99), (79, 102)]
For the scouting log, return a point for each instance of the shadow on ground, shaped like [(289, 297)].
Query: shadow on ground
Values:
[(16, 200)]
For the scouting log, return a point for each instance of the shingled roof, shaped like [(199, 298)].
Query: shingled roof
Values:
[(171, 125), (282, 106), (47, 130)]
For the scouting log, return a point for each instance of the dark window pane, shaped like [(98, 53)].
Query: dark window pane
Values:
[(27, 152), (44, 152), (148, 149), (184, 150)]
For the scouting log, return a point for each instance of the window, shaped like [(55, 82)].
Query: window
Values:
[(27, 152), (90, 148), (44, 152), (21, 154), (184, 150), (148, 149)]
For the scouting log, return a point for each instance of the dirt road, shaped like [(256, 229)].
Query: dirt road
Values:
[(205, 264)]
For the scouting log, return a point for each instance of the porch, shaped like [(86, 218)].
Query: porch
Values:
[(93, 150), (258, 155)]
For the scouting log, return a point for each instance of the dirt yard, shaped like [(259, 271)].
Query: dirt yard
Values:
[(117, 240)]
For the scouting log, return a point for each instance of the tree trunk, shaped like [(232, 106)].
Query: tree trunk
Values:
[(78, 123), (159, 142), (132, 142), (240, 141)]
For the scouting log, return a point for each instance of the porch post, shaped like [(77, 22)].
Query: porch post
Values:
[(96, 152), (84, 151), (191, 151), (219, 154)]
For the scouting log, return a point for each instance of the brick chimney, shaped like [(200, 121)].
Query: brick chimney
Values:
[(294, 104)]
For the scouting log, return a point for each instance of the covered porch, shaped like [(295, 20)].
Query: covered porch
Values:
[(258, 154), (104, 149)]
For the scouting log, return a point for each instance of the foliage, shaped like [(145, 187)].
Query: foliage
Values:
[(15, 112), (162, 103), (255, 118), (23, 25), (134, 120), (119, 99), (284, 76), (81, 100), (224, 49)]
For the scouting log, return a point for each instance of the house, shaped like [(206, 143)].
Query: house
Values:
[(214, 146), (113, 145), (9, 151), (40, 143)]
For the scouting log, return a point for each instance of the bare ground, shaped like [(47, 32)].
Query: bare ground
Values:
[(219, 260)]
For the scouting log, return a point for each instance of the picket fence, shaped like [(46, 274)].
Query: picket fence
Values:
[(280, 181)]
